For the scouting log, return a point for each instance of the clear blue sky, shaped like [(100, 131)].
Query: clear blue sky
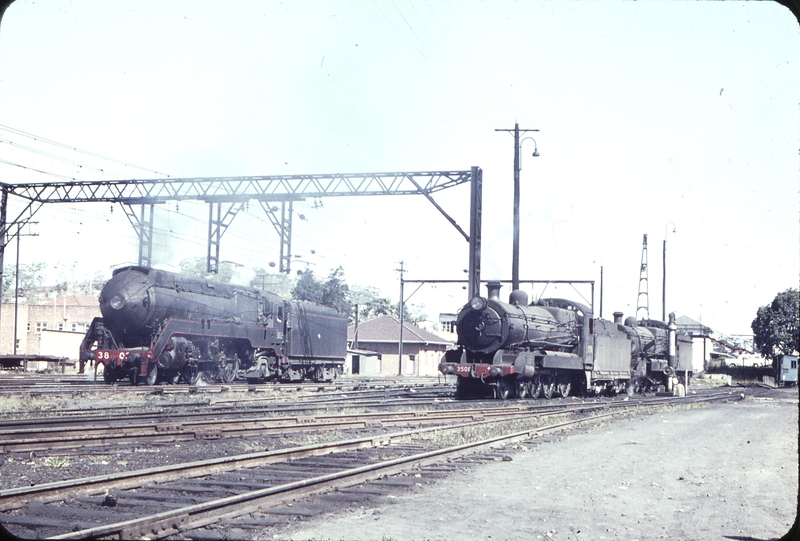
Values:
[(652, 116)]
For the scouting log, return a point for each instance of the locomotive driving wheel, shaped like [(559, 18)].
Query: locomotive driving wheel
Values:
[(523, 389), (536, 387), (548, 386), (564, 385), (191, 374), (228, 371)]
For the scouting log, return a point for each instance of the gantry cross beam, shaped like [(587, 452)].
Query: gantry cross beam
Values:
[(233, 192)]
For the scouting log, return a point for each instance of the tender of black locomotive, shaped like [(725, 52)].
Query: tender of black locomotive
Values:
[(170, 327), (556, 346)]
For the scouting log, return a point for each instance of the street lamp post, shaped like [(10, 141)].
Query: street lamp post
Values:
[(515, 254), (664, 272)]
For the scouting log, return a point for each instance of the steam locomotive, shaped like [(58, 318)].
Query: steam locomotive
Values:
[(167, 327), (556, 346)]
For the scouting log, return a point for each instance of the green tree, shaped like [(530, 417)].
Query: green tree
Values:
[(370, 303), (775, 327), (336, 293), (308, 288), (31, 281), (414, 314)]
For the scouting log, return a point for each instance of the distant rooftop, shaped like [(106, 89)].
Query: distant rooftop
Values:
[(387, 329), (692, 327)]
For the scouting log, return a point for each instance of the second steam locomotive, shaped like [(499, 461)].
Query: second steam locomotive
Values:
[(556, 346), (169, 327)]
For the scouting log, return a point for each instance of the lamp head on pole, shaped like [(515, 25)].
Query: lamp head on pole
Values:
[(535, 152)]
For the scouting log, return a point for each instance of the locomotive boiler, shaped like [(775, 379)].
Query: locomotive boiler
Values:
[(164, 326), (556, 346)]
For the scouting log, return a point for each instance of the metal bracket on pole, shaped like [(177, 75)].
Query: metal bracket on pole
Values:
[(439, 208)]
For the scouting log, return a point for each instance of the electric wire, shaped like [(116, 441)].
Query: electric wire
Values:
[(75, 149)]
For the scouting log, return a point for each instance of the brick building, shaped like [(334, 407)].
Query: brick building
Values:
[(55, 327)]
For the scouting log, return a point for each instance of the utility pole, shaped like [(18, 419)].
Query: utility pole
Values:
[(400, 307), (515, 253), (355, 330), (664, 282), (664, 272)]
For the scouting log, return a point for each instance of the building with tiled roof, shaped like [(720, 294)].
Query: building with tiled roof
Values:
[(375, 348)]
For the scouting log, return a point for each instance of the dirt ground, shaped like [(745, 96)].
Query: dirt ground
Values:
[(726, 471)]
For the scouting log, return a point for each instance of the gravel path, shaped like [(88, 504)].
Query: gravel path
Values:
[(726, 471)]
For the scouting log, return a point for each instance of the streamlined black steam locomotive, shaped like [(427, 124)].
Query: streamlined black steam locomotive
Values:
[(169, 327), (556, 346)]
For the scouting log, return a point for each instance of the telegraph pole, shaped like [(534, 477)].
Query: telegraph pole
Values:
[(515, 254)]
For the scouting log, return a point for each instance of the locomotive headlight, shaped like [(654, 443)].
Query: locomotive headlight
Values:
[(478, 304), (117, 302)]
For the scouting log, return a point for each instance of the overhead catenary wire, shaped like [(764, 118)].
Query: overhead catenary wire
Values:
[(78, 150)]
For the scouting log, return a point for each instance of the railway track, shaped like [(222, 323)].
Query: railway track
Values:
[(61, 384), (205, 421), (61, 434), (178, 499)]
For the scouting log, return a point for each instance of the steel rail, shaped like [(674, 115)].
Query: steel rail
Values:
[(198, 515), (12, 497), (75, 433), (81, 436), (203, 467)]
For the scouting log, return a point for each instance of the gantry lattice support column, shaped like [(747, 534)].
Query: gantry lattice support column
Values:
[(143, 225), (217, 225)]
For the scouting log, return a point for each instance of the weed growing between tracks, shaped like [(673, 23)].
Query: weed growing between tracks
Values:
[(56, 462)]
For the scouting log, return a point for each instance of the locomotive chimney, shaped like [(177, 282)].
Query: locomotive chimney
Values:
[(494, 290), (618, 318)]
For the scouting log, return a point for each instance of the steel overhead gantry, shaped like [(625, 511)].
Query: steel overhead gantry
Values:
[(226, 196)]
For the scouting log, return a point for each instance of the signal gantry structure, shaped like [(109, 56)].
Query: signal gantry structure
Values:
[(226, 196)]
